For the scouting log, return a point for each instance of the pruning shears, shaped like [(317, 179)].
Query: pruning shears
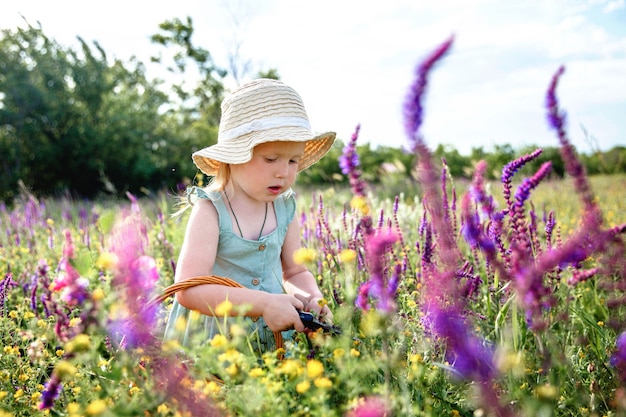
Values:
[(312, 323)]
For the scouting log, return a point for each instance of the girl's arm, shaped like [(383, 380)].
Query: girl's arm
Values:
[(197, 257), (298, 280)]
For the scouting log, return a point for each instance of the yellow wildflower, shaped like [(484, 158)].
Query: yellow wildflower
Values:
[(290, 367), (232, 369), (219, 341), (256, 372), (323, 383), (98, 294), (80, 343), (181, 324), (338, 353), (546, 391), (303, 387), (314, 368), (224, 308), (360, 203), (231, 355), (107, 261), (64, 368), (170, 346), (347, 256), (96, 408), (304, 255), (212, 387)]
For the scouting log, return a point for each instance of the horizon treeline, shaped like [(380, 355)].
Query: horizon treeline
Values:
[(74, 121)]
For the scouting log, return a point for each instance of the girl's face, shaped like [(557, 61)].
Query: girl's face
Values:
[(271, 171)]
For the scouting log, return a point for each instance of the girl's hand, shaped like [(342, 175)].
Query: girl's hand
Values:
[(281, 313), (318, 306)]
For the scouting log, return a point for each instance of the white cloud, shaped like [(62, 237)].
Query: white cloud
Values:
[(352, 61)]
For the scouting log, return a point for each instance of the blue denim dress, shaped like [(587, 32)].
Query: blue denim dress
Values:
[(255, 264)]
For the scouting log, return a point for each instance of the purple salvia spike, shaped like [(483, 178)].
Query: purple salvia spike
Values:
[(413, 111), (444, 191), (520, 230), (550, 222), (573, 166), (381, 219), (349, 164), (510, 170)]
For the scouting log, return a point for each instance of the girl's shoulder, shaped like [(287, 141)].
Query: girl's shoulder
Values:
[(286, 204), (196, 193)]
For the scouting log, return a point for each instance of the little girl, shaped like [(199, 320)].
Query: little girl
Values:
[(243, 225)]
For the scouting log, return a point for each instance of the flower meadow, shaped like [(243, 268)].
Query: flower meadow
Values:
[(489, 302)]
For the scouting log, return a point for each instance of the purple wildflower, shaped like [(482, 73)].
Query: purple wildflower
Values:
[(378, 287), (136, 274), (6, 283), (73, 286), (371, 407), (426, 171), (468, 355), (511, 169), (51, 392), (556, 120), (523, 191), (413, 109), (618, 360)]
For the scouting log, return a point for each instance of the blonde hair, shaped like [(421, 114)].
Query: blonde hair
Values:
[(216, 183)]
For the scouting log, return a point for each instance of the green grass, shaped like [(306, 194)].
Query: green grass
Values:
[(562, 371)]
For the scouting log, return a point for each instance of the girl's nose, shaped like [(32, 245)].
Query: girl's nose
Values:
[(281, 170)]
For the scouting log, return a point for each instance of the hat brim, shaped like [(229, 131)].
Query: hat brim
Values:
[(240, 151)]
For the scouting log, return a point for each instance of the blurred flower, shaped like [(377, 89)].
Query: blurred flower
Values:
[(95, 408), (469, 355), (372, 406), (349, 164), (107, 261), (304, 255), (224, 308), (51, 392), (360, 204), (314, 368), (347, 255), (413, 110), (379, 287), (303, 387), (618, 360)]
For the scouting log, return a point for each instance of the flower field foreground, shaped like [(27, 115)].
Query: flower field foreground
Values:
[(486, 303)]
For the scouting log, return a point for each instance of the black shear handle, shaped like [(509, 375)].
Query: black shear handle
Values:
[(311, 323)]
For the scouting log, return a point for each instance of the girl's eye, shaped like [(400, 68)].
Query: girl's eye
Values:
[(294, 161), (270, 159)]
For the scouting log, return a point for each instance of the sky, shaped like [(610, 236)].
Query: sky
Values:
[(353, 61)]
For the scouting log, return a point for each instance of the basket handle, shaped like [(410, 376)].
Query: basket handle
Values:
[(208, 279)]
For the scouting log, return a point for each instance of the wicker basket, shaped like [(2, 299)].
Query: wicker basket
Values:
[(208, 279)]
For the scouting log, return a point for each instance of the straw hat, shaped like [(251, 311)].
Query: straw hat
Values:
[(261, 111)]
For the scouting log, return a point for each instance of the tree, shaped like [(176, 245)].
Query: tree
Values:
[(70, 121)]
